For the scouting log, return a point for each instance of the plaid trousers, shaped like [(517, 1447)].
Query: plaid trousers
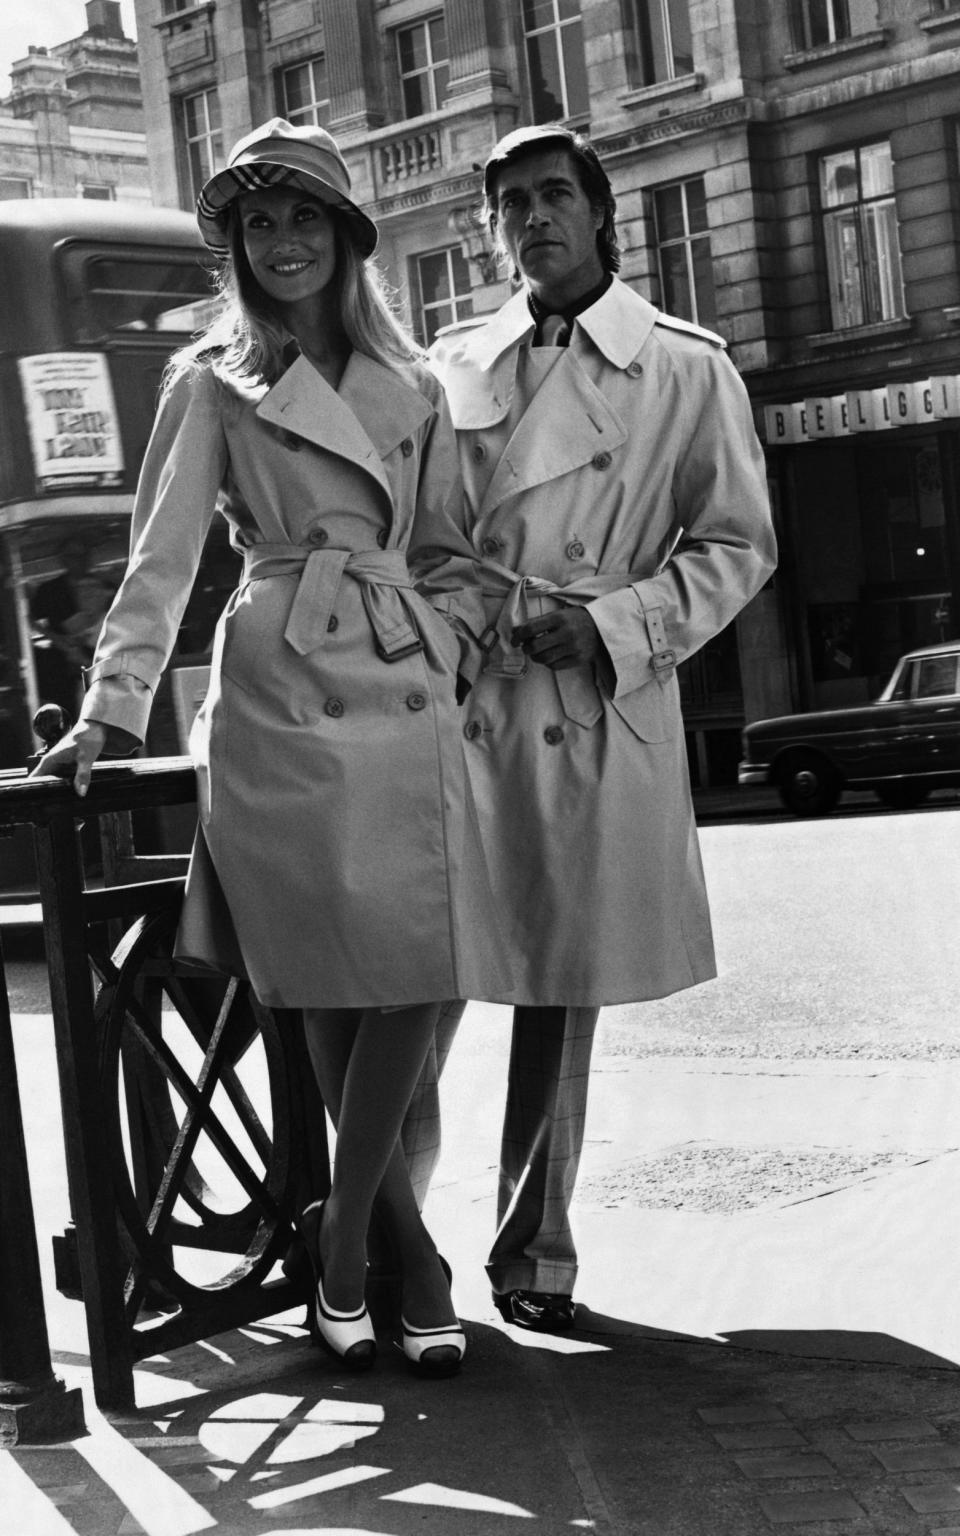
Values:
[(541, 1144)]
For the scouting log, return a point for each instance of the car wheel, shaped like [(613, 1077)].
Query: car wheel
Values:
[(901, 796), (808, 785)]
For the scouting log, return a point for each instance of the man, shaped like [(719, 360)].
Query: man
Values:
[(617, 496)]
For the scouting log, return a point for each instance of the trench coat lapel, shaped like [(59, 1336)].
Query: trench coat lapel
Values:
[(567, 422), (371, 413)]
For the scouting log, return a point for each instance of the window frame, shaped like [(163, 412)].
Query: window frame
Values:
[(455, 301), (878, 261), (687, 240), (312, 114), (643, 27), (555, 29), (429, 71), (194, 176)]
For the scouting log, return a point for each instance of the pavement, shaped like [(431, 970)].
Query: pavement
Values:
[(777, 1354)]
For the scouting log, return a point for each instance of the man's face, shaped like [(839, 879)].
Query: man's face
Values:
[(548, 226)]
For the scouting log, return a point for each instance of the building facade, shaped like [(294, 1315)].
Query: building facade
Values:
[(72, 125), (786, 174)]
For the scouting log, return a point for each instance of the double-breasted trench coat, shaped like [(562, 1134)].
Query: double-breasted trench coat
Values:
[(338, 861), (628, 480)]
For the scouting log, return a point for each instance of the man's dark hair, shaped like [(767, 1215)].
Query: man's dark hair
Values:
[(590, 173)]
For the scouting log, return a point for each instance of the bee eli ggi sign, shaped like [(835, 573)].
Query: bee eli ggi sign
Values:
[(918, 402), (74, 433)]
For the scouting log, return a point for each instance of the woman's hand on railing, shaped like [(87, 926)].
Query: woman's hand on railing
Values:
[(75, 755)]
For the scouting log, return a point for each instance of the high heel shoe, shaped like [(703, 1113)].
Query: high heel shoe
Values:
[(447, 1345), (348, 1336)]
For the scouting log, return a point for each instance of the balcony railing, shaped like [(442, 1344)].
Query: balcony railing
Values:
[(403, 160)]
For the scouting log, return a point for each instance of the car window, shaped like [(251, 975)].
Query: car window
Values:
[(937, 677), (904, 686)]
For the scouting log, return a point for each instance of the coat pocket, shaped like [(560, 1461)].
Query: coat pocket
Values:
[(653, 711)]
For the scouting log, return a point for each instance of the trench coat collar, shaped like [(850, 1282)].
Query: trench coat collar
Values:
[(372, 412), (478, 368)]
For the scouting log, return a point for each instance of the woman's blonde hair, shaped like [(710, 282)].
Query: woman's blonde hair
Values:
[(245, 342)]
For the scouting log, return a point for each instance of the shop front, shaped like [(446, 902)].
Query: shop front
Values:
[(867, 483)]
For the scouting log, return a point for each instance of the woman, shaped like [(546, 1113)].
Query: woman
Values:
[(337, 862)]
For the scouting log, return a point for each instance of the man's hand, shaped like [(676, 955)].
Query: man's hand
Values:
[(567, 638)]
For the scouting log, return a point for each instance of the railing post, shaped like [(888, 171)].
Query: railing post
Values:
[(34, 1404)]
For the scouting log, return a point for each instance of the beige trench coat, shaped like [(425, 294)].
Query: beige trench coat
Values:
[(633, 484), (338, 851)]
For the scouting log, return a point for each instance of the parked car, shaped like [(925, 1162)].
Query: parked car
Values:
[(903, 745)]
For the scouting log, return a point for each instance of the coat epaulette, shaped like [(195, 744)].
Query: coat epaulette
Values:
[(677, 324)]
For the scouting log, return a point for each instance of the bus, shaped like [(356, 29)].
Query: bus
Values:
[(95, 296)]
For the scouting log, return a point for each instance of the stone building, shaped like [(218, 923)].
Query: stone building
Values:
[(787, 174), (72, 125)]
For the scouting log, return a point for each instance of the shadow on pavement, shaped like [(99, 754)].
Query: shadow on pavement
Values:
[(618, 1428)]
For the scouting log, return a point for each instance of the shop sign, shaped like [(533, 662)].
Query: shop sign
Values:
[(868, 410), (911, 404), (826, 416), (785, 423), (74, 432), (945, 392)]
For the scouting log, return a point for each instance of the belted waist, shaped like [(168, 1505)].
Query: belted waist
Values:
[(381, 573), (577, 686)]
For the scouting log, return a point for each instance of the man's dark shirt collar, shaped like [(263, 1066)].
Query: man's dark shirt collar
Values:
[(540, 311)]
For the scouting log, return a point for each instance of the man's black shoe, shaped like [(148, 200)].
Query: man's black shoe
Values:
[(540, 1311)]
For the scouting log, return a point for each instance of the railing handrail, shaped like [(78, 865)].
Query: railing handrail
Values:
[(124, 784)]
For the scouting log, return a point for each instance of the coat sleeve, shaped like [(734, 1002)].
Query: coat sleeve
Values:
[(725, 548), (183, 470), (442, 559)]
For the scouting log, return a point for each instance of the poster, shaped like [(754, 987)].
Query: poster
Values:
[(74, 432)]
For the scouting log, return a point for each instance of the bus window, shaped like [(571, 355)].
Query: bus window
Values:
[(123, 295)]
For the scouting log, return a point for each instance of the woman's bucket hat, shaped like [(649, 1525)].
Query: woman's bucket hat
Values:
[(282, 154)]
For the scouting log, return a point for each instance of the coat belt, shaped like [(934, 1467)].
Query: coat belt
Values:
[(381, 573), (580, 696)]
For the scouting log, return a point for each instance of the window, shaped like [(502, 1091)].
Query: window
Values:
[(12, 187), (815, 23), (860, 230), (422, 61), (202, 139), (304, 93), (443, 291), (555, 59), (125, 294), (659, 43), (683, 248), (98, 190)]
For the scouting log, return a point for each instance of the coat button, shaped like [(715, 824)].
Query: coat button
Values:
[(491, 545), (635, 370), (332, 623), (575, 550), (334, 708), (406, 447), (317, 537), (472, 729), (478, 453), (602, 460), (416, 701), (382, 538), (553, 735)]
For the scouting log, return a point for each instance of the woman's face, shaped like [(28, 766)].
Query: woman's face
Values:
[(290, 242)]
